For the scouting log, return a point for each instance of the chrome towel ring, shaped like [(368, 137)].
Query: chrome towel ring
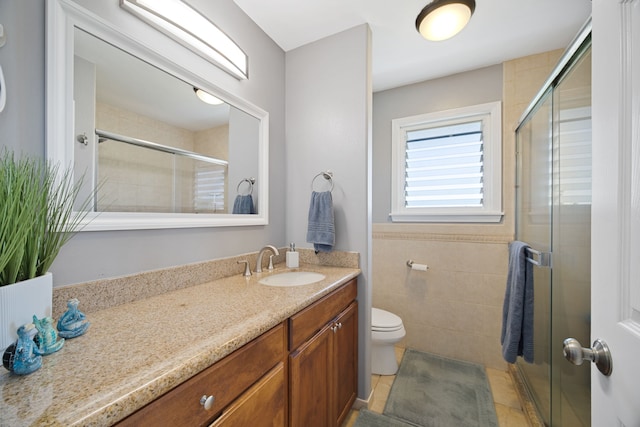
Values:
[(250, 181), (328, 175)]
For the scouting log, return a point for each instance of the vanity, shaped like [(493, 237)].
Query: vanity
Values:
[(217, 354)]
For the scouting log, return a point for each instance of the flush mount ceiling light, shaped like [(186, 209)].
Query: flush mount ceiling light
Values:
[(191, 29), (443, 19), (207, 97)]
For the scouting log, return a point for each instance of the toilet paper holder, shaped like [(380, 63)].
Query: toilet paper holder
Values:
[(415, 266)]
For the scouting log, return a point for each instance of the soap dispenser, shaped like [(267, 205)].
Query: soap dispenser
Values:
[(292, 257)]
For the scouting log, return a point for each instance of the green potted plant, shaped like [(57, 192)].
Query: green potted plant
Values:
[(37, 218)]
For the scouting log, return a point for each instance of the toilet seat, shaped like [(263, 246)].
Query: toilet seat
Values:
[(384, 321)]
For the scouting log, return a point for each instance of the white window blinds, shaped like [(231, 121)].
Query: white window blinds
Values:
[(572, 157), (209, 188), (444, 166)]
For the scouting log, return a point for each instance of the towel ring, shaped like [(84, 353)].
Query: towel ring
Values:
[(251, 181), (328, 175)]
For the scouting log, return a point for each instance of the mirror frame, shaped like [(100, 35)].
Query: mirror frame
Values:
[(62, 17)]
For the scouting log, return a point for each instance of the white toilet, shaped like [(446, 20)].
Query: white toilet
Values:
[(386, 330)]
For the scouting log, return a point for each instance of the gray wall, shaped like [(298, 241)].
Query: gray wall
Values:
[(328, 114), (459, 90), (93, 255), (22, 61)]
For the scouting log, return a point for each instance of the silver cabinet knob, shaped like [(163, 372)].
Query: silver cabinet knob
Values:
[(598, 354), (207, 402)]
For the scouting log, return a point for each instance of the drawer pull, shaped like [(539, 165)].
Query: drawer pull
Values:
[(336, 326), (207, 402)]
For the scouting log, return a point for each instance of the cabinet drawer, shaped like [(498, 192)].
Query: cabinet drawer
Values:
[(225, 380), (310, 320)]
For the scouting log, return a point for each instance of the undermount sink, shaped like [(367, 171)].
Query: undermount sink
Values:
[(292, 278)]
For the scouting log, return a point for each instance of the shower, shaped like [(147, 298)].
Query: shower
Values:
[(553, 216)]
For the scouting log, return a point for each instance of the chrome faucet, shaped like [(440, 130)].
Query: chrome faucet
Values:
[(261, 253)]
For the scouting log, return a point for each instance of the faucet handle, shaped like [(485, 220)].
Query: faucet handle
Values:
[(247, 270), (270, 268)]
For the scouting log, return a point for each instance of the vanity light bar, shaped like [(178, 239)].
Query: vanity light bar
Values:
[(193, 30)]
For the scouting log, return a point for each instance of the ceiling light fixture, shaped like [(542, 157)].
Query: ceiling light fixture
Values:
[(207, 97), (193, 30), (443, 19)]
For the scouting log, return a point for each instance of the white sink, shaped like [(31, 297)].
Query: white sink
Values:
[(292, 278)]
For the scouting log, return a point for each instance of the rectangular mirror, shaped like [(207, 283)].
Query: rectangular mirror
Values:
[(158, 155)]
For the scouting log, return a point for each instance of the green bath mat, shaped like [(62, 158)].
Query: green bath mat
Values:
[(433, 391)]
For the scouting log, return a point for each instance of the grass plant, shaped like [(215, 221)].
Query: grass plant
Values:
[(37, 215)]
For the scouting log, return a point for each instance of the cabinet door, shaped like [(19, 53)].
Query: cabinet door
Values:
[(310, 381), (263, 405), (346, 362)]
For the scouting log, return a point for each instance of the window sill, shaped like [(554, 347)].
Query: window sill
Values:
[(488, 217)]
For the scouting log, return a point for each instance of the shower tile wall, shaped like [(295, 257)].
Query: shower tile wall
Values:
[(153, 192), (455, 308)]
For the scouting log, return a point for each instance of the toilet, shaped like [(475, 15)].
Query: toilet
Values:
[(386, 331)]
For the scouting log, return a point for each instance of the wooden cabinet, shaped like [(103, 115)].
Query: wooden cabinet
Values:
[(302, 373), (229, 384), (323, 364)]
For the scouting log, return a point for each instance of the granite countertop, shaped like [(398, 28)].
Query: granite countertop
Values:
[(136, 352)]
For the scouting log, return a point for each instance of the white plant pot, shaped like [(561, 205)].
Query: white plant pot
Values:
[(20, 301)]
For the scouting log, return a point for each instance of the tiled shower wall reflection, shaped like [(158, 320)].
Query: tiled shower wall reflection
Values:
[(135, 179)]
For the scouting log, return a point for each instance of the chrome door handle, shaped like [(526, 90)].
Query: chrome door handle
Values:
[(598, 354)]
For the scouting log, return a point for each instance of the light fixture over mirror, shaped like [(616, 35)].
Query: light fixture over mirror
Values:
[(189, 27), (443, 19), (206, 97)]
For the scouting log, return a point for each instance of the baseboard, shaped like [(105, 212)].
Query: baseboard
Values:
[(361, 403)]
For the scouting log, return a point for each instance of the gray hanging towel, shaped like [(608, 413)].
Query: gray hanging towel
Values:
[(517, 311), (243, 205), (321, 229)]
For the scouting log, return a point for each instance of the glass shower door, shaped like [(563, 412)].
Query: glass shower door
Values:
[(533, 226), (571, 290), (553, 206)]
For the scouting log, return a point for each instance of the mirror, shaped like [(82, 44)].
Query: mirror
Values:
[(157, 154)]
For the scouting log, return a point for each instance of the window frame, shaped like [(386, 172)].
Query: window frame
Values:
[(491, 209)]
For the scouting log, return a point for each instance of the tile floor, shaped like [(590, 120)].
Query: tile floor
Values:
[(506, 401)]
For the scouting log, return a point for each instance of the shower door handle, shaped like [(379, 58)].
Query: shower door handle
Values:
[(598, 354)]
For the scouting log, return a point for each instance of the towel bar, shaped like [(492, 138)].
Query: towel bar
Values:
[(328, 175), (250, 181), (544, 258)]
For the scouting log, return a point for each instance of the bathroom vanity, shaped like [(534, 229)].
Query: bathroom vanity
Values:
[(227, 352)]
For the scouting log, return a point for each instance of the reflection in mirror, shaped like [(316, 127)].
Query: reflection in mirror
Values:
[(151, 144)]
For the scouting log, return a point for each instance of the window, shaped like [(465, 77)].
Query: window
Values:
[(209, 188), (447, 166)]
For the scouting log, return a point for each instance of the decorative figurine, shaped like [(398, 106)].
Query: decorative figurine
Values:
[(73, 322), (23, 357), (47, 338)]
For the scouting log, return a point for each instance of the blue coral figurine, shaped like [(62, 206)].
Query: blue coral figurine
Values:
[(47, 337), (23, 357), (73, 322)]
